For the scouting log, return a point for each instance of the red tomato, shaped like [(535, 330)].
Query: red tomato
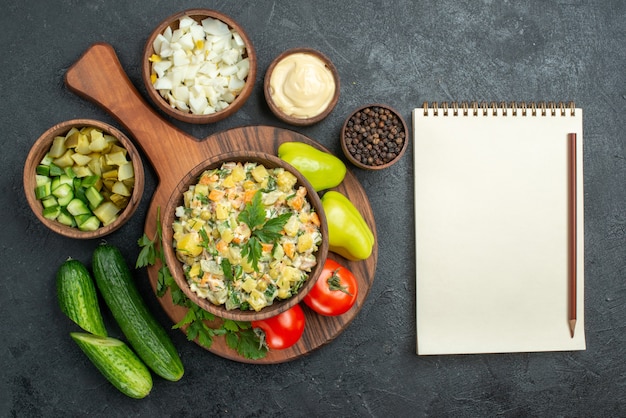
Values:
[(283, 330), (334, 292)]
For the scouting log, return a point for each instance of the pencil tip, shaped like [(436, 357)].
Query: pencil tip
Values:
[(572, 327)]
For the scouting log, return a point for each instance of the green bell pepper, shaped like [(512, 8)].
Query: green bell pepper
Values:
[(348, 233), (322, 169)]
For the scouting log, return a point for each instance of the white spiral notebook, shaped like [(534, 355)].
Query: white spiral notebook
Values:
[(499, 228)]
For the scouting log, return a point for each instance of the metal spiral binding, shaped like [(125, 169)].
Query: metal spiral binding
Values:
[(522, 108)]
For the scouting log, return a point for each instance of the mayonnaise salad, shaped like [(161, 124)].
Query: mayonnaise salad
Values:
[(232, 257)]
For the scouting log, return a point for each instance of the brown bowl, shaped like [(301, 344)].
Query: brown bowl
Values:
[(42, 146), (365, 137), (175, 266), (287, 117), (187, 116)]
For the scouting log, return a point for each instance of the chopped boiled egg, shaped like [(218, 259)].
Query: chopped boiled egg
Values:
[(200, 67)]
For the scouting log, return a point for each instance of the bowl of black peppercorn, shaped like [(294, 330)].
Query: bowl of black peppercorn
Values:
[(374, 137)]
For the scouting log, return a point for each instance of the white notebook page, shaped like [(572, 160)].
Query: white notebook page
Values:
[(491, 225)]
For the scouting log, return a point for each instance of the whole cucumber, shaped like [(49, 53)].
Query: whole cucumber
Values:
[(77, 297), (145, 335), (117, 362)]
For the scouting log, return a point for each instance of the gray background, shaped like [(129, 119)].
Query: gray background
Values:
[(401, 53)]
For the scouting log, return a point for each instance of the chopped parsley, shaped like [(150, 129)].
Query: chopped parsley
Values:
[(267, 231)]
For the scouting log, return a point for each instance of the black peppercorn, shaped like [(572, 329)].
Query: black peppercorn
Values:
[(374, 136)]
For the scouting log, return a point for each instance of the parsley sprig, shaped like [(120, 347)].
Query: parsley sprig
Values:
[(263, 230), (239, 335)]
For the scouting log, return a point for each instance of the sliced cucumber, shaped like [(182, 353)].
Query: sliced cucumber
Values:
[(62, 190), (43, 170), (81, 219), (69, 171), (46, 160), (42, 191), (66, 218), (43, 186), (94, 197), (55, 170), (77, 207), (49, 201), (66, 199), (91, 223), (79, 193), (106, 212), (65, 179), (73, 171), (52, 212), (90, 181)]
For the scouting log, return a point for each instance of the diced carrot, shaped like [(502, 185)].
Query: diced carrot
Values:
[(289, 248), (205, 278), (248, 195), (216, 195), (296, 202), (204, 180), (315, 219), (232, 193), (267, 247), (221, 246)]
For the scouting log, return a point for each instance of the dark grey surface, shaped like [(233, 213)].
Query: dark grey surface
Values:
[(401, 53)]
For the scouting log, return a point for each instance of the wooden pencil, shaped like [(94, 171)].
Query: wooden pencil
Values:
[(572, 199)]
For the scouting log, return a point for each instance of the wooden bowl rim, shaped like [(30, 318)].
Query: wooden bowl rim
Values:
[(175, 266), (290, 119), (162, 104), (359, 164), (39, 149)]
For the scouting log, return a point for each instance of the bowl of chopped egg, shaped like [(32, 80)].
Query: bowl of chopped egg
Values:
[(245, 235), (83, 178), (199, 66)]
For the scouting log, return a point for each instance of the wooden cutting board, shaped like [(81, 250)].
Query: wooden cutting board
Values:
[(98, 76)]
